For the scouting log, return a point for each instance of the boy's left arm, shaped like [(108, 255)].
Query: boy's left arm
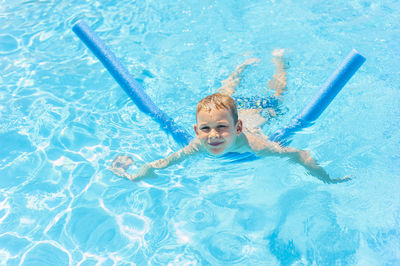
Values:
[(304, 158)]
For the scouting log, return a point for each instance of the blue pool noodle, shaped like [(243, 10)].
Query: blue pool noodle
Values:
[(322, 99), (135, 91), (128, 83)]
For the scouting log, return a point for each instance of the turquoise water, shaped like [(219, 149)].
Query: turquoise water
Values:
[(63, 120)]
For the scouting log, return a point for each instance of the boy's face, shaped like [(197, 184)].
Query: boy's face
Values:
[(216, 130)]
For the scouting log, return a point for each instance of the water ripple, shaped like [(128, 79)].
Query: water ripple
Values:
[(13, 245), (46, 254), (177, 255), (197, 214), (228, 247), (94, 230), (8, 44)]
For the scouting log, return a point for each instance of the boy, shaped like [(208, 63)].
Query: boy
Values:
[(220, 129)]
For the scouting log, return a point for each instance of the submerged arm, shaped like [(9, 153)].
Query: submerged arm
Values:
[(148, 169), (172, 159), (301, 157)]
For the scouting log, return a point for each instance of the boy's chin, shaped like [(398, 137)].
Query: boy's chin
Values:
[(217, 152)]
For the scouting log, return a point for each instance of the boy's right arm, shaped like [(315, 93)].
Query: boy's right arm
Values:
[(148, 169)]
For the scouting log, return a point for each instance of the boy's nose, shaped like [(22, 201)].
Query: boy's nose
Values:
[(213, 133)]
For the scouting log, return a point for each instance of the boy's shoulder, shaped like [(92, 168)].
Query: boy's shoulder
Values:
[(258, 142), (193, 147)]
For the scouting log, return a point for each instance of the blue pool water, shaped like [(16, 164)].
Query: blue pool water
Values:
[(63, 120)]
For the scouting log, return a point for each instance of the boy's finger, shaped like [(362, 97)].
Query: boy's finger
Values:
[(122, 161), (117, 171)]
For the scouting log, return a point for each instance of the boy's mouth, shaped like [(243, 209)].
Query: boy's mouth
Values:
[(215, 143)]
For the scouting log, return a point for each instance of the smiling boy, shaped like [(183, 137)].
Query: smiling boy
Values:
[(220, 129)]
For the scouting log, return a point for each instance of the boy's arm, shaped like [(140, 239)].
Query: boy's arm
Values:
[(269, 148), (174, 158)]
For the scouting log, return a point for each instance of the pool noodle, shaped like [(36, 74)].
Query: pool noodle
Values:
[(135, 91), (128, 83), (322, 99)]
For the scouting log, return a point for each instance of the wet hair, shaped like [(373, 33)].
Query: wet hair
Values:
[(218, 101)]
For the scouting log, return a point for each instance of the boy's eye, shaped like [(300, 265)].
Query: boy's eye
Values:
[(205, 129), (221, 126)]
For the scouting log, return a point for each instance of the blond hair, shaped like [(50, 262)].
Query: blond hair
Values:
[(218, 101)]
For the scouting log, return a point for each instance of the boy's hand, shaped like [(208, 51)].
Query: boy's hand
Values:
[(122, 162)]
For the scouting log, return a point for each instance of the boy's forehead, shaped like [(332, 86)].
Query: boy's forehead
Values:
[(214, 109), (214, 114)]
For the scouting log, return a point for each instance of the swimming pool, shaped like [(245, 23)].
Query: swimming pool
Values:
[(63, 120)]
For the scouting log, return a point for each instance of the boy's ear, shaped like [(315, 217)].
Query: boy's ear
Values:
[(239, 126), (196, 129)]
